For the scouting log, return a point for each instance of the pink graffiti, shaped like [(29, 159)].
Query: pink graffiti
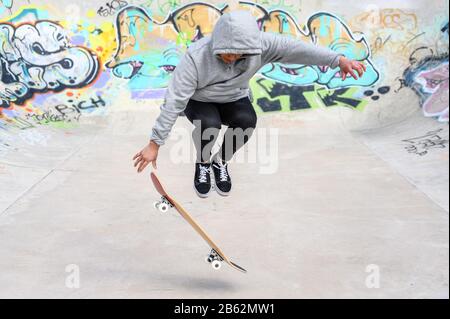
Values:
[(435, 82)]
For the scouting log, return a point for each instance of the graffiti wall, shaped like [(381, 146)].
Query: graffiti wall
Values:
[(62, 60)]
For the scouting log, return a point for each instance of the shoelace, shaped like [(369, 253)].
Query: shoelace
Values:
[(223, 174), (204, 171)]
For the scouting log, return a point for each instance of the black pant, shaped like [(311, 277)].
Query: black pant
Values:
[(207, 117)]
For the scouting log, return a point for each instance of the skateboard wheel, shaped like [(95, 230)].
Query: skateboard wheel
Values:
[(216, 264), (208, 259), (163, 207), (155, 205)]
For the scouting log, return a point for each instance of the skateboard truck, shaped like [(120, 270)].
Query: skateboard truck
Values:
[(163, 205), (214, 259)]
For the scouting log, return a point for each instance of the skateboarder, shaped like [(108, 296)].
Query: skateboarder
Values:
[(210, 85)]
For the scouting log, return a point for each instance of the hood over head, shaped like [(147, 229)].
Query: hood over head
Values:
[(236, 32)]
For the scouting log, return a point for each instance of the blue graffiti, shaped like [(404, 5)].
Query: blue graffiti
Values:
[(150, 66)]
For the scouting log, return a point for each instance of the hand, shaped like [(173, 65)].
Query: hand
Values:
[(348, 66), (148, 155)]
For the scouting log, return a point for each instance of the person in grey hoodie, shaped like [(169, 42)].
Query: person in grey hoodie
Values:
[(210, 85)]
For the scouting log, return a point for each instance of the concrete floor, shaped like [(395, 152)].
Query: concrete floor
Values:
[(334, 205)]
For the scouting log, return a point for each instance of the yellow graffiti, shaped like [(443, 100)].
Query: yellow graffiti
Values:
[(20, 10), (196, 21), (280, 22), (386, 19), (391, 31)]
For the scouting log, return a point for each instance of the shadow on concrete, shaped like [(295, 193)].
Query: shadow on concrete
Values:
[(199, 283)]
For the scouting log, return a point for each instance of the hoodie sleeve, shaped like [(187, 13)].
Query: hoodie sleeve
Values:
[(286, 49), (182, 86)]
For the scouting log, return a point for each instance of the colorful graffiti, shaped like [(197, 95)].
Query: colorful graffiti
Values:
[(48, 66), (149, 50), (329, 31), (38, 58), (271, 96), (6, 5), (144, 57), (434, 84), (56, 106), (398, 41), (381, 18), (428, 77), (389, 29)]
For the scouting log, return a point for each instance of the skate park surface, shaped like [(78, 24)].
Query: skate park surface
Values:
[(334, 203), (308, 232)]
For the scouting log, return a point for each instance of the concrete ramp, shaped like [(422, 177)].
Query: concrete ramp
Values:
[(335, 208), (414, 146)]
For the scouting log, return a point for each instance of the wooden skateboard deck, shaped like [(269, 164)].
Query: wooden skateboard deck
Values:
[(216, 256)]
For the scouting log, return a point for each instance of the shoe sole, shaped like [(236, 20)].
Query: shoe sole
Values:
[(216, 188), (202, 195)]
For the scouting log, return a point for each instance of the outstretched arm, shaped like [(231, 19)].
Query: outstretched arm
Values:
[(285, 49), (182, 86)]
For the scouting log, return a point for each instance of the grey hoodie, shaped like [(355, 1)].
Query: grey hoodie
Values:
[(201, 74)]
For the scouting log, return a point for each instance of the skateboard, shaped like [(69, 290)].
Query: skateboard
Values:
[(216, 257)]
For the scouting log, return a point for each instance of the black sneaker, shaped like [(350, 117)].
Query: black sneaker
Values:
[(221, 176), (202, 179)]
